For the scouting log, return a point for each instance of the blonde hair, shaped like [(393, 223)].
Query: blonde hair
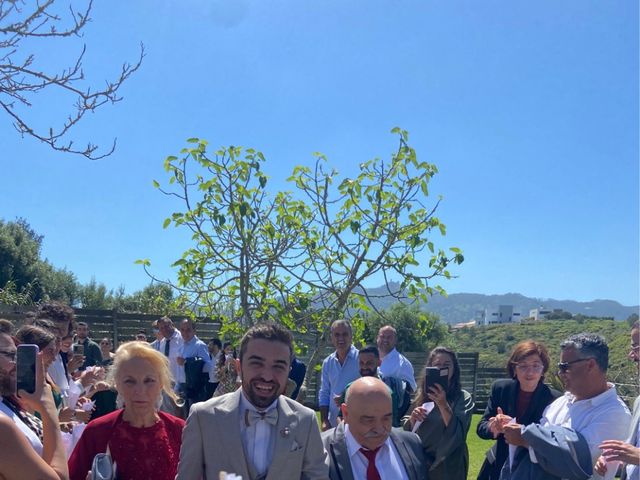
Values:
[(143, 350)]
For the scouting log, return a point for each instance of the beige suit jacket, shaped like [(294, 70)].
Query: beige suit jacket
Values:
[(211, 442)]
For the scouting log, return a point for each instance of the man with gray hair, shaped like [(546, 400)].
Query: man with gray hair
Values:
[(590, 407), (338, 370)]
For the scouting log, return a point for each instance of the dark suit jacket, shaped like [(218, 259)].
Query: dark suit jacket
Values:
[(504, 394), (407, 444)]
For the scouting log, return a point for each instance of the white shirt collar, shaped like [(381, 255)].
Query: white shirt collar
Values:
[(597, 400), (353, 447), (353, 351)]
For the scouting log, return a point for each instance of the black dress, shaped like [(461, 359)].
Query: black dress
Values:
[(504, 394)]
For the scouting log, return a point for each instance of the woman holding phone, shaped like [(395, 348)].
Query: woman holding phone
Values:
[(441, 417), (18, 458)]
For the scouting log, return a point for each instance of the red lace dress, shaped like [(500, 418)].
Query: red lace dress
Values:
[(139, 453)]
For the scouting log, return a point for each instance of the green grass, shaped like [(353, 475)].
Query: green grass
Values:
[(477, 448)]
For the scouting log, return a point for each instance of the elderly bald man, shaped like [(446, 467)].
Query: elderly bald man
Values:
[(365, 446)]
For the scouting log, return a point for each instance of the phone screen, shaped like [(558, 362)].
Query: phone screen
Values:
[(78, 349), (26, 367), (437, 375)]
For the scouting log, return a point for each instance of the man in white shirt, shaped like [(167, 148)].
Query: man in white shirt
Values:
[(628, 452), (338, 370), (255, 432), (365, 447), (590, 405), (394, 364), (170, 347)]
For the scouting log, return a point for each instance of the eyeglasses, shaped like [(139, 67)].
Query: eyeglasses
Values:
[(565, 366), (524, 367), (11, 356)]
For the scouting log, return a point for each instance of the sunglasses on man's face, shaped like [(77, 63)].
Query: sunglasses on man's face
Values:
[(566, 366)]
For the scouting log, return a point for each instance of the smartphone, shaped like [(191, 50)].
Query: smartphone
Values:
[(436, 375), (26, 367), (78, 349)]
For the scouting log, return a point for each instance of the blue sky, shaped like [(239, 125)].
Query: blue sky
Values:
[(529, 109)]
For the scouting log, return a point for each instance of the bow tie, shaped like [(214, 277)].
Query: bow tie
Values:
[(251, 416)]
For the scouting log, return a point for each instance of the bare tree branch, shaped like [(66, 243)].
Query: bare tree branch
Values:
[(21, 80)]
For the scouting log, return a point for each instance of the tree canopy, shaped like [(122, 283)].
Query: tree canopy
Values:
[(24, 276), (301, 257)]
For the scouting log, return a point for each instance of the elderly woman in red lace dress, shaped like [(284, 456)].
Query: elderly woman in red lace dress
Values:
[(143, 441)]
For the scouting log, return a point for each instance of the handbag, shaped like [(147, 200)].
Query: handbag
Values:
[(103, 467)]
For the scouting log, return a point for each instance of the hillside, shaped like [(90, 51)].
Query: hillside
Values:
[(494, 343), (462, 307)]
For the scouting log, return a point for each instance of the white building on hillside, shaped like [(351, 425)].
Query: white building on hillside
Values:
[(504, 314)]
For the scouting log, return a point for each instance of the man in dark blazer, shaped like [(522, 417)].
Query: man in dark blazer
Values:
[(364, 446)]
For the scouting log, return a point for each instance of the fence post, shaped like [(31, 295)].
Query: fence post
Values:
[(114, 314)]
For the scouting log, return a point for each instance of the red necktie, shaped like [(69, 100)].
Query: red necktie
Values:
[(372, 470)]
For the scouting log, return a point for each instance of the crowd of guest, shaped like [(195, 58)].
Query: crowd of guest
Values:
[(376, 421)]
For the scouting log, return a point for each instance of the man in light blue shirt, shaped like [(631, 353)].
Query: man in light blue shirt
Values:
[(194, 360), (338, 370)]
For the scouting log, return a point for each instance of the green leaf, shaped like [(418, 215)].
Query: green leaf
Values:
[(156, 184), (167, 222), (263, 181)]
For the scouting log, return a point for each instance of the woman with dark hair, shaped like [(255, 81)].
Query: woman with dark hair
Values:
[(18, 456), (49, 346), (227, 371), (523, 396), (441, 418), (105, 350)]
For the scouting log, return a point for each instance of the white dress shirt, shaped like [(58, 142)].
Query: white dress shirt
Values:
[(603, 417), (394, 364), (175, 342), (30, 434), (388, 460), (258, 439), (58, 375)]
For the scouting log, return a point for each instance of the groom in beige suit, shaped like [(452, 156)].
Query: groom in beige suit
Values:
[(255, 432)]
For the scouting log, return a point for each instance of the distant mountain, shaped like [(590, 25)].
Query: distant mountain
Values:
[(462, 307)]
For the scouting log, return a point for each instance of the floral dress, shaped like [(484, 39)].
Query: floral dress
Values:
[(227, 376)]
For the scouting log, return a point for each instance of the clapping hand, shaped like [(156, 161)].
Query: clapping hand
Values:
[(497, 423), (617, 450)]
